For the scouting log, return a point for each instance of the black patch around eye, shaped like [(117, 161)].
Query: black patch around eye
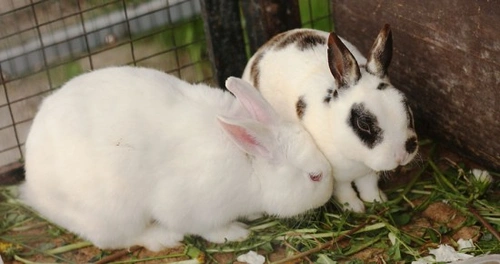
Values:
[(365, 125), (300, 107), (382, 86)]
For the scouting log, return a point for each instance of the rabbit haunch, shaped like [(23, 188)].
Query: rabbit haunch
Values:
[(129, 156), (358, 119)]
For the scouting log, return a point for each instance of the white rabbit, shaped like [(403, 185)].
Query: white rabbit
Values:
[(358, 119), (129, 156)]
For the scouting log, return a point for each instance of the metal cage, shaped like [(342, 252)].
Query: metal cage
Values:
[(45, 43)]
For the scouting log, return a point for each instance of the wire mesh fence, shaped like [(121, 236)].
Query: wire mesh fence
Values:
[(43, 43)]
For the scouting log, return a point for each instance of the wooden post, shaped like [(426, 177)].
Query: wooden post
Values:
[(266, 18), (224, 34), (446, 59)]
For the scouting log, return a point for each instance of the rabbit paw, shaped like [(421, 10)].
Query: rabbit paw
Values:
[(348, 198), (254, 216), (355, 205), (234, 231), (368, 189), (156, 238)]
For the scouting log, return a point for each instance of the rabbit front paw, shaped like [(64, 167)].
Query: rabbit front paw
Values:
[(156, 238), (368, 188), (234, 231), (348, 198)]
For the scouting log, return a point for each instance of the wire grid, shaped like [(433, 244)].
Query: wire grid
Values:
[(316, 14), (45, 43)]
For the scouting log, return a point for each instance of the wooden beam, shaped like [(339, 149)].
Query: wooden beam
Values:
[(446, 60), (266, 18), (225, 41)]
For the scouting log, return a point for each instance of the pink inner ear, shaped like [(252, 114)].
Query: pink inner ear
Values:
[(244, 139), (240, 134)]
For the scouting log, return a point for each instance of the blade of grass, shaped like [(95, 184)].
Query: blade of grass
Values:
[(360, 246), (485, 223), (140, 260), (326, 244), (442, 178), (118, 255), (35, 250), (18, 258), (69, 247)]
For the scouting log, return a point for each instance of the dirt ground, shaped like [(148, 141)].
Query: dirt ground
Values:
[(437, 215)]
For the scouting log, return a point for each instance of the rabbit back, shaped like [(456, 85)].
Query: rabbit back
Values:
[(98, 149)]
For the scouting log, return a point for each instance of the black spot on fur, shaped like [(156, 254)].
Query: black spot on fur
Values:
[(330, 94), (254, 69), (382, 86), (411, 144), (300, 107), (274, 40), (310, 41), (365, 125), (303, 39)]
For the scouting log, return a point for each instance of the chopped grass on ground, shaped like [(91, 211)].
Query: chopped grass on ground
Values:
[(438, 201)]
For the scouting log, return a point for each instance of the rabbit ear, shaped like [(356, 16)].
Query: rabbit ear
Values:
[(381, 53), (252, 100), (250, 136), (342, 63)]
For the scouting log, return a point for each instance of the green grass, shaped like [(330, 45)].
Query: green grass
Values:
[(325, 235), (389, 221)]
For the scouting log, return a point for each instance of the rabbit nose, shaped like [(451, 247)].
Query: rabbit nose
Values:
[(411, 144), (401, 157)]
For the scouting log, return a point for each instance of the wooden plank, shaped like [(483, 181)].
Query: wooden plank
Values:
[(224, 34), (446, 59), (266, 18)]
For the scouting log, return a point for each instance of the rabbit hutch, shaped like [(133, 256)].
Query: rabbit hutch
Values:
[(445, 60)]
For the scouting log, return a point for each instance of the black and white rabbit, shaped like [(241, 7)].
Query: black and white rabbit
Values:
[(129, 156), (359, 120)]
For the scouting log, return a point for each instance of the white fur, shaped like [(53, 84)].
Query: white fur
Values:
[(289, 73), (129, 156)]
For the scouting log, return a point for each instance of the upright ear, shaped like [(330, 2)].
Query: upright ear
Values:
[(381, 53), (252, 100), (250, 136), (342, 63)]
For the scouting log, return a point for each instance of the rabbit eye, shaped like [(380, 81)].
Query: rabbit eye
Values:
[(363, 126), (316, 176), (364, 123)]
